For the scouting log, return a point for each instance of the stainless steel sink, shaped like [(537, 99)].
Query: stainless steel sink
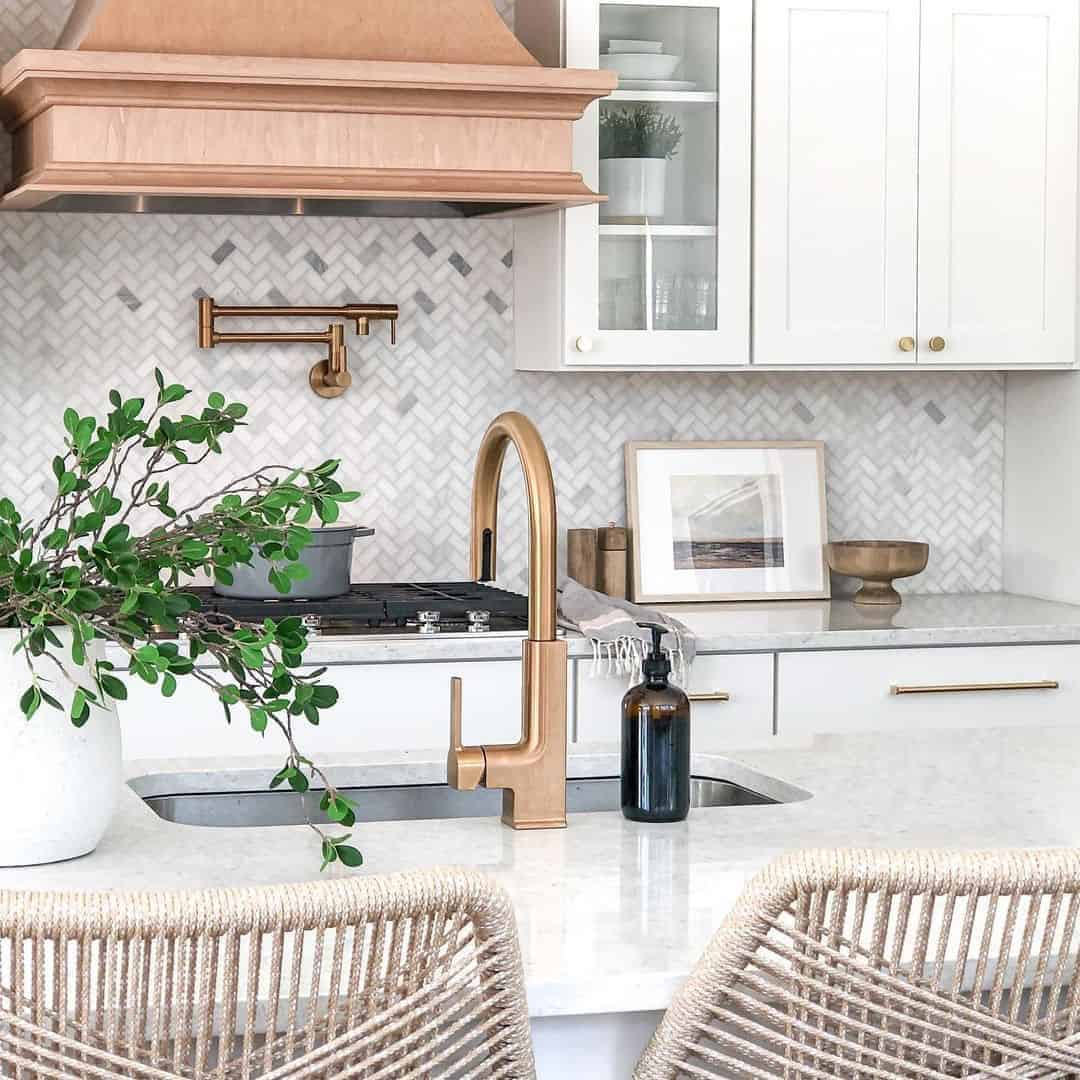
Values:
[(418, 802)]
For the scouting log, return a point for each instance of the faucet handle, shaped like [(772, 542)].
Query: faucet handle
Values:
[(465, 765)]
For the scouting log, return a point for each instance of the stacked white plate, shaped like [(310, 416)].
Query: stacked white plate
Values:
[(643, 65)]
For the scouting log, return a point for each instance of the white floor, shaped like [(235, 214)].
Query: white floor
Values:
[(602, 1047)]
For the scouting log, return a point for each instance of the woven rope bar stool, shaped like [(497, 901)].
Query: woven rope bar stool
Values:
[(406, 976), (869, 964)]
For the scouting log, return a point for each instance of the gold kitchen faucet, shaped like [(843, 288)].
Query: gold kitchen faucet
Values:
[(532, 771)]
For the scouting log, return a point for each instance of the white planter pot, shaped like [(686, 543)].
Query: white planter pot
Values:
[(61, 783), (635, 187)]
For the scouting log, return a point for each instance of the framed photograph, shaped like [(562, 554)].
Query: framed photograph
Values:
[(727, 521)]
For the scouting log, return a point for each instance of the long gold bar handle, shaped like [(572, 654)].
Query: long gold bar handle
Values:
[(715, 695), (975, 688)]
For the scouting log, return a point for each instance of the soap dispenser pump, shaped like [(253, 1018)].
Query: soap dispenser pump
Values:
[(656, 741)]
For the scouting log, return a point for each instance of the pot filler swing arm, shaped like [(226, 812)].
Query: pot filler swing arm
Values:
[(329, 378)]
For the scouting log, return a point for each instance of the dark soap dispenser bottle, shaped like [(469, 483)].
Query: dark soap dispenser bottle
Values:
[(656, 742)]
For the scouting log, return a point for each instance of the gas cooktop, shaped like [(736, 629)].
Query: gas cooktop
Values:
[(448, 608)]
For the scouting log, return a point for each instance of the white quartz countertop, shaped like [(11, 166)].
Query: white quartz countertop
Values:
[(613, 914), (775, 626)]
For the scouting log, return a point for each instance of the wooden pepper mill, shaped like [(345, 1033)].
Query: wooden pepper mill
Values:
[(597, 559), (612, 562)]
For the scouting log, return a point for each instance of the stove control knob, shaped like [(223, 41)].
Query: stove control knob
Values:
[(429, 621), (479, 622)]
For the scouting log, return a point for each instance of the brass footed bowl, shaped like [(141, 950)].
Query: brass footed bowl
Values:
[(879, 563)]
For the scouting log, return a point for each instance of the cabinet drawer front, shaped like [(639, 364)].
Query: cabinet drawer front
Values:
[(732, 703), (382, 707), (905, 689)]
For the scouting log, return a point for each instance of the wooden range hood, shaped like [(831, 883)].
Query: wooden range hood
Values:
[(302, 106)]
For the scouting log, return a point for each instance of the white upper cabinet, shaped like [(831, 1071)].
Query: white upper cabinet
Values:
[(914, 188), (657, 276), (836, 196), (997, 182)]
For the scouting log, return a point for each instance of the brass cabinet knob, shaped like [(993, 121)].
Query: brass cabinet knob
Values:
[(937, 344), (906, 344), (584, 344)]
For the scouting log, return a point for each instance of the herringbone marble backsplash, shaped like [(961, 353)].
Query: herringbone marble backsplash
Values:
[(97, 301)]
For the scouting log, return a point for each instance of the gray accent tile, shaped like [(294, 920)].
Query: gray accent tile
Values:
[(128, 299), (315, 261), (407, 404), (460, 265), (424, 302), (424, 244), (508, 259), (496, 301), (931, 409), (223, 252), (802, 412)]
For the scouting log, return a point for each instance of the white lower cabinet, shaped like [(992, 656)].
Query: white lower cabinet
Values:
[(732, 699), (911, 689), (383, 707)]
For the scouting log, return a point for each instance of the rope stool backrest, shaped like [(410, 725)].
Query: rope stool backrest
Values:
[(405, 976), (868, 964)]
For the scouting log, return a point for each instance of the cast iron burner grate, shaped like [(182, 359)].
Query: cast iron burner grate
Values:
[(447, 607)]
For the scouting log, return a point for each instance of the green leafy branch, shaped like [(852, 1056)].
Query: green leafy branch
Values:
[(81, 574)]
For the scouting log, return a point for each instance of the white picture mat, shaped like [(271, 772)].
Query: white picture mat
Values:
[(798, 469)]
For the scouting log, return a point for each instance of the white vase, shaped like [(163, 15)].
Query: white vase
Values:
[(635, 187), (60, 784)]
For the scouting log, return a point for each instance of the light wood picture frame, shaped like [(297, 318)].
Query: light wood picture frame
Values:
[(724, 521)]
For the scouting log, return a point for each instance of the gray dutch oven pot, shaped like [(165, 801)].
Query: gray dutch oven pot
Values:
[(328, 557)]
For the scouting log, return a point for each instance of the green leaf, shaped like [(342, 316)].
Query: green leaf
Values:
[(84, 433), (216, 400), (71, 421), (349, 855), (168, 685), (159, 378), (86, 600), (298, 781), (30, 702), (67, 484), (259, 720), (114, 687), (194, 550), (327, 510), (329, 854), (56, 540), (252, 657), (80, 708), (297, 571), (173, 393), (325, 697)]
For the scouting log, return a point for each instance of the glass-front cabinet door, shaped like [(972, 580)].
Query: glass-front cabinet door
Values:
[(659, 274)]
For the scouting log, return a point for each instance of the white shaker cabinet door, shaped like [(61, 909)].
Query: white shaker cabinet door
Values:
[(998, 182), (836, 149)]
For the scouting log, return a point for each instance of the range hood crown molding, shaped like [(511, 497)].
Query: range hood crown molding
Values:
[(135, 128)]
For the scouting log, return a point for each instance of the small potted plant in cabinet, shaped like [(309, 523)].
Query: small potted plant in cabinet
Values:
[(636, 145)]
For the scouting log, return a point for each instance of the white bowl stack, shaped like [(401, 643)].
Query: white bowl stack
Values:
[(642, 65)]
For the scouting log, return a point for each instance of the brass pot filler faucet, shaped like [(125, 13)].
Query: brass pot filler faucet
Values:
[(532, 771), (329, 378)]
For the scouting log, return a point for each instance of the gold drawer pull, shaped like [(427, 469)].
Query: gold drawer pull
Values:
[(975, 688), (715, 695)]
